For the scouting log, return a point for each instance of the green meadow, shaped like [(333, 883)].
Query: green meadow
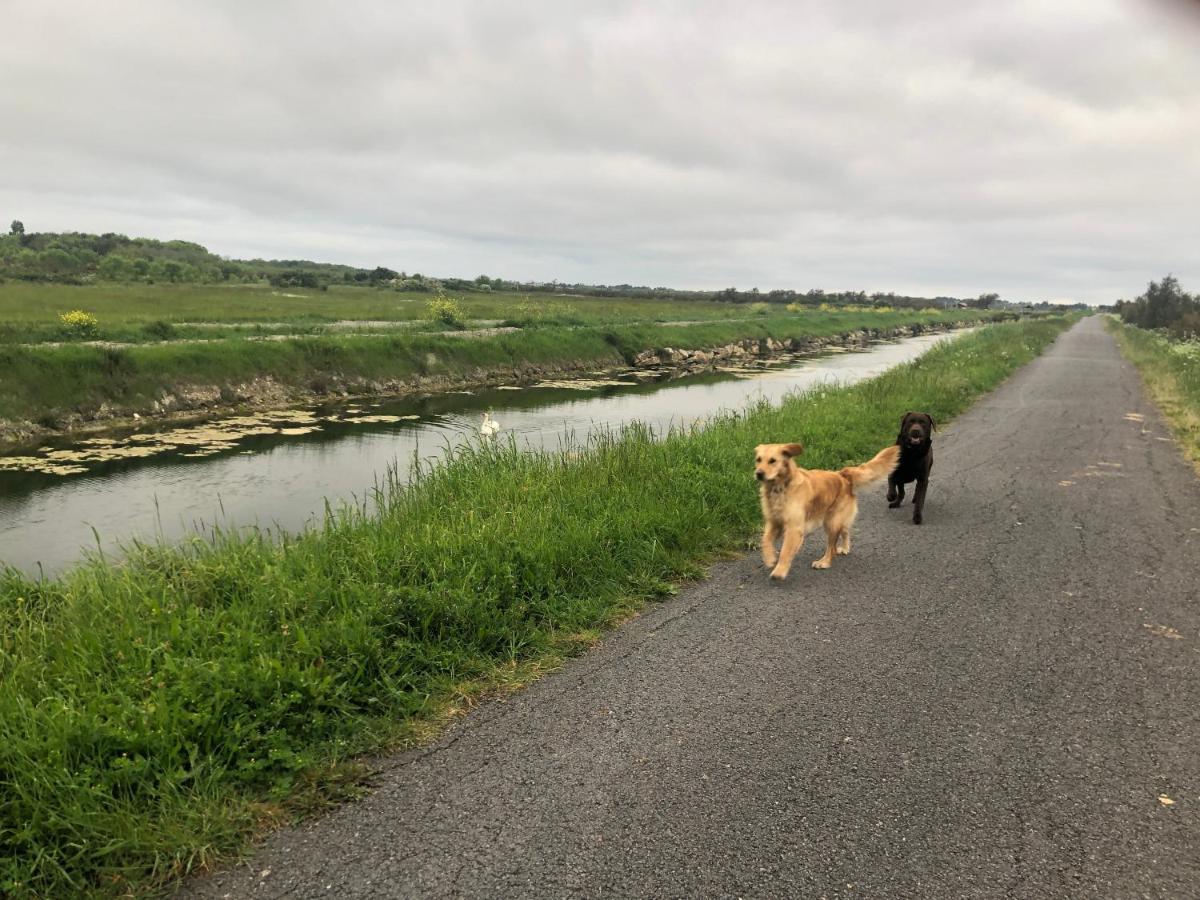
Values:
[(156, 714), (29, 310)]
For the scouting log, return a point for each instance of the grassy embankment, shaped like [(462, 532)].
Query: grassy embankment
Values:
[(49, 384), (154, 714), (1171, 372), (131, 312)]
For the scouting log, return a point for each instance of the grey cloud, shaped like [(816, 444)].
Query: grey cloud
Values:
[(1041, 150)]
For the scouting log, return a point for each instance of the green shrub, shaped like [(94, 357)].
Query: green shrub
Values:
[(159, 330), (530, 312), (79, 324), (444, 310)]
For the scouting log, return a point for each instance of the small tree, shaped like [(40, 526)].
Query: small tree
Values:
[(1163, 304), (382, 274), (114, 268), (17, 227)]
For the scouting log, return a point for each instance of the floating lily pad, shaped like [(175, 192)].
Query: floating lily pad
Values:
[(19, 462), (585, 384), (62, 470), (373, 419), (298, 416)]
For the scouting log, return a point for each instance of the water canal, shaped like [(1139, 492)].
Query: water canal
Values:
[(278, 469)]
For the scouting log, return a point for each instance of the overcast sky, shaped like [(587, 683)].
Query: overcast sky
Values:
[(1044, 150)]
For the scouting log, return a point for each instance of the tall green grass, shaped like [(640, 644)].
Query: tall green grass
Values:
[(152, 712), (45, 384), (143, 313), (30, 305), (1171, 371)]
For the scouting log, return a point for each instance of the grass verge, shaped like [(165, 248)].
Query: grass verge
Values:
[(49, 385), (1171, 372), (156, 713)]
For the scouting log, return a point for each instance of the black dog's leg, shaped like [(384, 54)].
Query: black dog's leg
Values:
[(919, 499), (895, 493)]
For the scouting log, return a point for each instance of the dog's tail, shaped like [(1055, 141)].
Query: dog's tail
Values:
[(880, 467)]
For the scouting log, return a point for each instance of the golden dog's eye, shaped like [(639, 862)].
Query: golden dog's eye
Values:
[(771, 460), (758, 459)]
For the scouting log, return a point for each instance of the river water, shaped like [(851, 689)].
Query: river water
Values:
[(279, 471)]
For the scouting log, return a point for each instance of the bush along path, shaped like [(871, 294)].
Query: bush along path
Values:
[(157, 713), (1170, 367)]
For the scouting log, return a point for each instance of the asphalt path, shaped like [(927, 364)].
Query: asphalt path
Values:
[(1001, 702)]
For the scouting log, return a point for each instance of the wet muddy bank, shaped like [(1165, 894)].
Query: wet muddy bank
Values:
[(194, 403)]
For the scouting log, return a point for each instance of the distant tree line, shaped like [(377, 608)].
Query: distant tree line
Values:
[(820, 297), (1164, 305), (79, 258)]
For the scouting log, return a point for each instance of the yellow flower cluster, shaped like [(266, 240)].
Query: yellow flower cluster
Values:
[(444, 310), (79, 322)]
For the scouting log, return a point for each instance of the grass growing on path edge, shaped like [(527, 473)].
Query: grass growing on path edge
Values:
[(1171, 372), (155, 714)]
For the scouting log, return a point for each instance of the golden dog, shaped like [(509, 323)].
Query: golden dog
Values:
[(796, 501)]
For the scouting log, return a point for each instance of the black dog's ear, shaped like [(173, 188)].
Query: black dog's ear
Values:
[(903, 419), (932, 424)]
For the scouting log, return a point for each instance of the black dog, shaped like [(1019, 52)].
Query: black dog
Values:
[(916, 459)]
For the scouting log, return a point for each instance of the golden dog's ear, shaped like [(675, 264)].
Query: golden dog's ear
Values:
[(790, 450)]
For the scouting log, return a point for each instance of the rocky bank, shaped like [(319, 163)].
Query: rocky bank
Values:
[(192, 402)]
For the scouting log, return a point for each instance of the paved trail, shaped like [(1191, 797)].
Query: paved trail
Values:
[(988, 705)]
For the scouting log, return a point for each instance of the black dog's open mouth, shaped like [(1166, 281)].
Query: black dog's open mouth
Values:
[(915, 439)]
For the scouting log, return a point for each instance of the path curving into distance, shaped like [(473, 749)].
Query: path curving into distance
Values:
[(991, 704)]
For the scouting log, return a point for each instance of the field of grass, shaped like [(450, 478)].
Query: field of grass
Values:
[(48, 384), (157, 713), (139, 313), (29, 311), (1171, 372)]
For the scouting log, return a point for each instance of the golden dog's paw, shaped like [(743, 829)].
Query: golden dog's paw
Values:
[(820, 564), (778, 575), (843, 551)]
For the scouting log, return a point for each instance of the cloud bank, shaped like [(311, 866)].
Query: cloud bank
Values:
[(1044, 151)]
